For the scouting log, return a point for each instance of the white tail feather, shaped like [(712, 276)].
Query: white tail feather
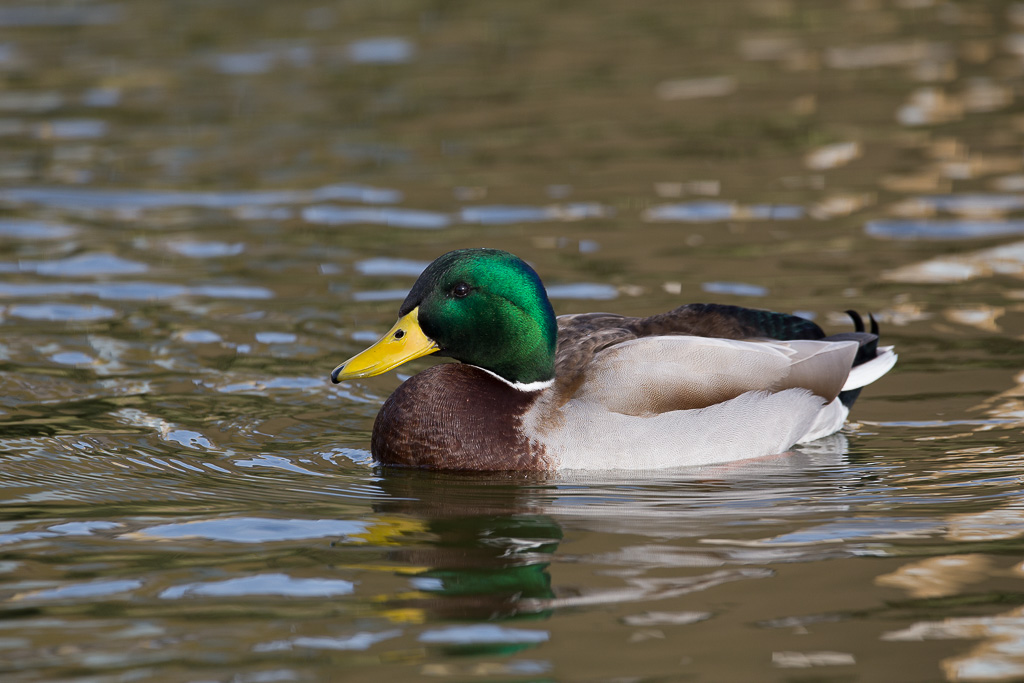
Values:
[(866, 373)]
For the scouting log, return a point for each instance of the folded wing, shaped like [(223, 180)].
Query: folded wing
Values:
[(654, 375)]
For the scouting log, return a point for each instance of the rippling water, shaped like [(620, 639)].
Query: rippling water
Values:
[(204, 208)]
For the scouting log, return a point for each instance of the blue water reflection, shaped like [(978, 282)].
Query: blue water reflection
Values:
[(477, 634), (132, 291), (90, 198), (61, 312), (400, 218), (391, 266), (504, 215), (583, 290), (937, 229), (85, 591), (386, 50), (53, 16), (357, 641), (255, 529), (735, 288), (261, 584), (35, 230), (84, 265)]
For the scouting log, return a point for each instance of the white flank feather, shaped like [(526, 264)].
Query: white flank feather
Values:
[(866, 373)]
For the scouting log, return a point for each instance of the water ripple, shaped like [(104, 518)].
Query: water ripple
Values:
[(735, 288), (72, 15), (61, 312), (206, 249), (84, 265), (72, 129), (912, 229), (19, 228), (359, 641), (84, 198), (973, 204), (583, 290), (261, 584), (384, 50), (692, 212), (391, 266), (483, 633), (503, 215), (82, 591), (327, 214), (132, 291)]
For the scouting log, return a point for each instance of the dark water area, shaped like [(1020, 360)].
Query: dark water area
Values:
[(205, 206)]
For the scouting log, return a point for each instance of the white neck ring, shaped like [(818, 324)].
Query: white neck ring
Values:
[(521, 386)]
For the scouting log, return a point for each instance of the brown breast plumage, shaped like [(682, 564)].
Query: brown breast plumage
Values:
[(456, 417)]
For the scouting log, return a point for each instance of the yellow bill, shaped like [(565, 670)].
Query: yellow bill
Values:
[(403, 342)]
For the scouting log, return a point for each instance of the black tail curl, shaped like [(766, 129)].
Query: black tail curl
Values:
[(867, 347), (858, 322)]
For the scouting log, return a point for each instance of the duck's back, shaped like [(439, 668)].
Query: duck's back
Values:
[(581, 336)]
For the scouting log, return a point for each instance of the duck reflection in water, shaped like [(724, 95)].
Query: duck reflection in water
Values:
[(490, 549), (477, 546)]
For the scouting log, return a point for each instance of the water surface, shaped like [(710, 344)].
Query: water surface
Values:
[(203, 210)]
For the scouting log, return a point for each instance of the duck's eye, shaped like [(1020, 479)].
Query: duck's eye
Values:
[(461, 290)]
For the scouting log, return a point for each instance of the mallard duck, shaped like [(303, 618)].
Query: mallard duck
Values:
[(701, 384)]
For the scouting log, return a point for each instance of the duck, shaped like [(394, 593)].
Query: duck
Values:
[(531, 392)]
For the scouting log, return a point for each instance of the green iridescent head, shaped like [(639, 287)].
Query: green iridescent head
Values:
[(487, 308), (484, 307)]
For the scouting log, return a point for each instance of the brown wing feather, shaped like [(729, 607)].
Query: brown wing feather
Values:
[(580, 337)]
